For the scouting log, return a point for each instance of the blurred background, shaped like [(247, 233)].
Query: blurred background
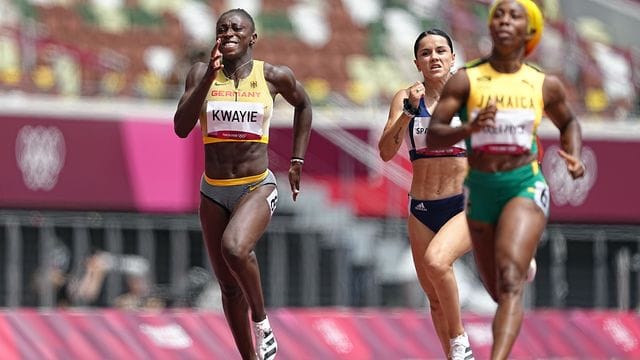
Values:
[(98, 197)]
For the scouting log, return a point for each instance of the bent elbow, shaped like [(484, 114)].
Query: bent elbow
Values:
[(385, 155), (180, 132), (182, 135)]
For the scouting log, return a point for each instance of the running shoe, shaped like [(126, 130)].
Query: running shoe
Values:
[(266, 344), (460, 349)]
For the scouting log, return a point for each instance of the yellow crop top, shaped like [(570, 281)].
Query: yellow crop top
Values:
[(518, 97), (241, 114)]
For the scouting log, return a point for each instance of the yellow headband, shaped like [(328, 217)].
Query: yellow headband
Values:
[(536, 22)]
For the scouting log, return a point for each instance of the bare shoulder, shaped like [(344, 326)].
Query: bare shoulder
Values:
[(460, 78), (197, 71), (198, 68), (552, 89), (552, 83), (279, 75), (457, 86)]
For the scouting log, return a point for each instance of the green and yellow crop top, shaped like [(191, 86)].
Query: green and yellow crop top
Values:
[(241, 114), (518, 97)]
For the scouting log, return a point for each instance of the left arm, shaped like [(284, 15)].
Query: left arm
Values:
[(557, 109), (285, 83)]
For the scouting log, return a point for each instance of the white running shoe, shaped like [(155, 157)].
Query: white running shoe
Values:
[(266, 344), (460, 349), (531, 273)]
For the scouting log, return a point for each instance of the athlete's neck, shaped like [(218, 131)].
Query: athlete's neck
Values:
[(433, 87), (237, 69), (506, 63)]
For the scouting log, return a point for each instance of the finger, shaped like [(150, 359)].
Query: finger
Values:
[(295, 188), (576, 173), (570, 159), (216, 47), (565, 155), (486, 118)]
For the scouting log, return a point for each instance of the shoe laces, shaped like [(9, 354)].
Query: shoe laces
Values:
[(460, 349)]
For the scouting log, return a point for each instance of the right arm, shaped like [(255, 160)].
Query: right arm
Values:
[(397, 122), (454, 95), (197, 86)]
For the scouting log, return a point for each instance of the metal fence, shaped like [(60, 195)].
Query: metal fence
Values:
[(303, 262)]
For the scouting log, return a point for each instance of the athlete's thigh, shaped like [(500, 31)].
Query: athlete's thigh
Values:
[(251, 217), (518, 232), (484, 253), (419, 237), (213, 220), (452, 240)]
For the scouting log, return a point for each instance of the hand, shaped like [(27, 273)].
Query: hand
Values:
[(574, 165), (215, 61), (416, 92), (485, 117), (295, 171)]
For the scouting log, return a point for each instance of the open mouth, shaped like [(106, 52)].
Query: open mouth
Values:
[(229, 45), (503, 34)]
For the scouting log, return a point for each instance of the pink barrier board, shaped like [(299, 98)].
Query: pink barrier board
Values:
[(305, 334), (84, 164), (141, 165)]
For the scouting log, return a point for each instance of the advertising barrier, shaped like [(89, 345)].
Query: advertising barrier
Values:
[(134, 164), (305, 334)]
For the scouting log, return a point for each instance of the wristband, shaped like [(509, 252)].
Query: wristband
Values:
[(297, 160), (408, 109), (408, 113)]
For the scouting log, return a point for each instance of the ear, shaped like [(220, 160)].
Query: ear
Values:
[(531, 33), (253, 40), (417, 66), (453, 60)]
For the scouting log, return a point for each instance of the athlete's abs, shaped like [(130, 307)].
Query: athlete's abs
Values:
[(498, 162), (230, 160), (437, 178)]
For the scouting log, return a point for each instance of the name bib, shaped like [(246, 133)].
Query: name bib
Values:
[(419, 134), (512, 134), (235, 120)]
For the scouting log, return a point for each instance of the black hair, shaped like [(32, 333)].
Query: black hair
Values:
[(241, 12), (434, 31)]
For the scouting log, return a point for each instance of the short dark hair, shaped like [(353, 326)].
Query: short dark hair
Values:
[(242, 12), (434, 31)]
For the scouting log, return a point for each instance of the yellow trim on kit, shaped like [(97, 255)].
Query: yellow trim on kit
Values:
[(237, 181), (212, 140), (535, 167)]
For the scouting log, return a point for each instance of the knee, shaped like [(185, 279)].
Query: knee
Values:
[(233, 252), (510, 280), (436, 266)]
